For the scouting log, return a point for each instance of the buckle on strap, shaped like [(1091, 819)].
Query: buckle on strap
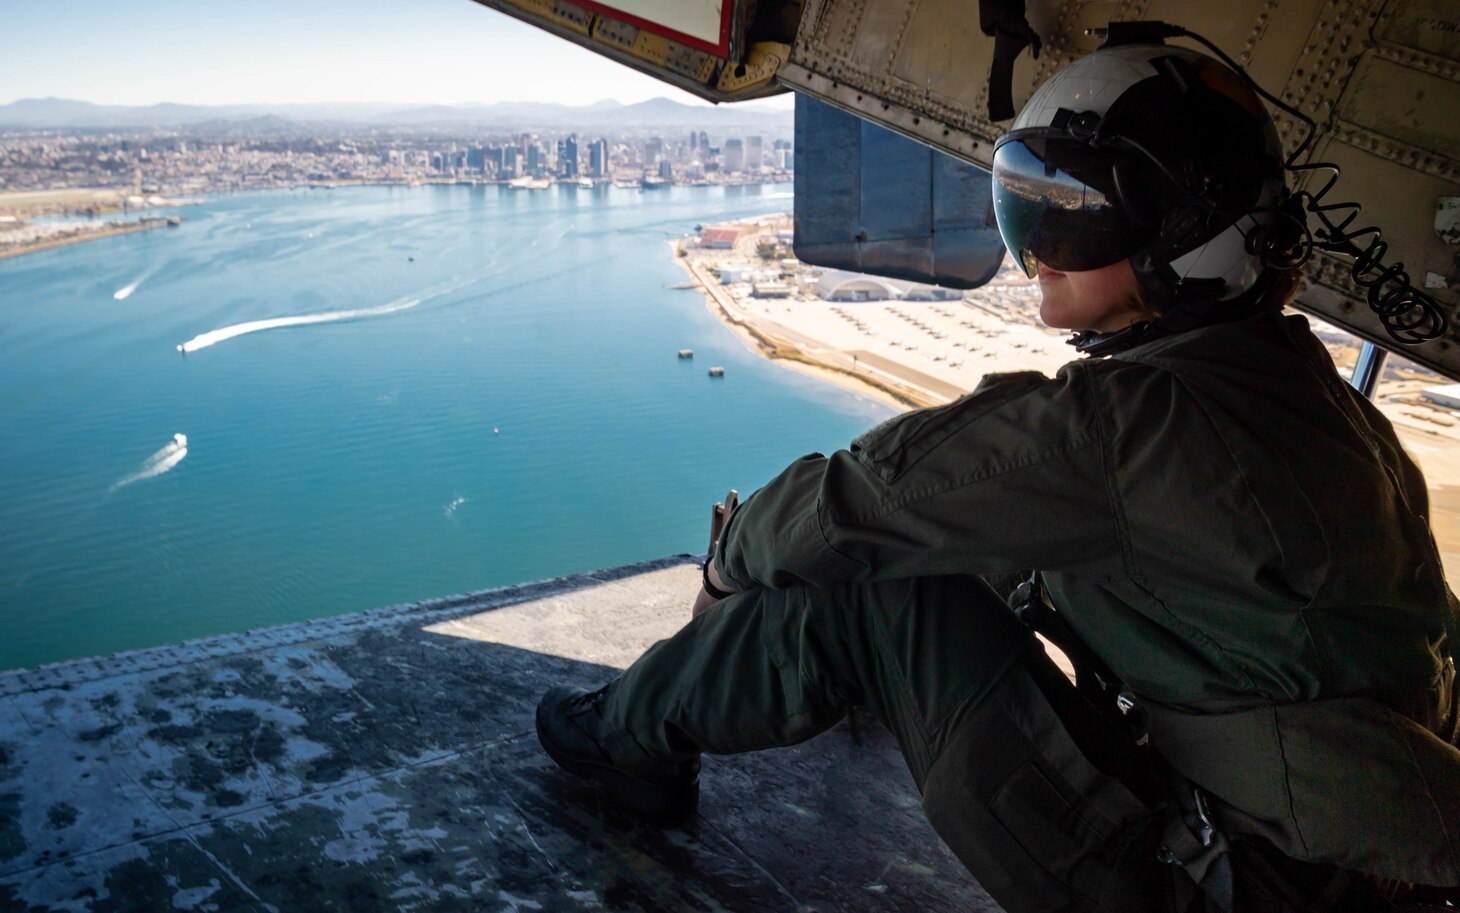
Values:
[(1193, 841)]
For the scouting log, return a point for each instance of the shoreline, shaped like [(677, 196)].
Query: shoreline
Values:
[(792, 354), (125, 228)]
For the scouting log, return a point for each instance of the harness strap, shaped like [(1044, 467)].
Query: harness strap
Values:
[(1192, 841), (1190, 838)]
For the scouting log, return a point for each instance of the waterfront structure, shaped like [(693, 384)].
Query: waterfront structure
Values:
[(719, 237), (598, 158), (734, 156), (771, 290), (843, 285), (568, 156), (180, 166), (754, 154), (1447, 395)]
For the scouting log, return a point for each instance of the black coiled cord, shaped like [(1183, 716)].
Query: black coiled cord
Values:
[(1408, 315)]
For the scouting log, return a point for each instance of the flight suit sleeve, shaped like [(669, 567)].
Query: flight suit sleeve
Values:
[(1012, 476)]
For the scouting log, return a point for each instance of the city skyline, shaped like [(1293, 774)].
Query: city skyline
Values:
[(452, 52)]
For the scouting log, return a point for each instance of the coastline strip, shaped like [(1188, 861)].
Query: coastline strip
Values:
[(895, 390), (124, 228)]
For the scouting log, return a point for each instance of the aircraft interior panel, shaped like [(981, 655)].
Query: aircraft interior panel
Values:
[(1380, 79)]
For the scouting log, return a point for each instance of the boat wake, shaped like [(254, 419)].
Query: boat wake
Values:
[(125, 292), (160, 462), (455, 503), (213, 337)]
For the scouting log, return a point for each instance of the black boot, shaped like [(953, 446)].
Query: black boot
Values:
[(568, 721)]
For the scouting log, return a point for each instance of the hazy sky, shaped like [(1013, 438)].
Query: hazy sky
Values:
[(212, 52)]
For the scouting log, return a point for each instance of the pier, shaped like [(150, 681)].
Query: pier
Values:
[(387, 761)]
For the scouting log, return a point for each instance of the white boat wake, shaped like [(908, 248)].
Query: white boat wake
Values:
[(123, 293), (455, 503), (213, 337), (160, 462)]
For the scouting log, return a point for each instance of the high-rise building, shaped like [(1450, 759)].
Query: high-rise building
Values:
[(734, 156), (568, 156), (476, 159), (694, 140), (509, 163), (598, 158), (653, 151), (534, 159), (704, 140), (754, 154)]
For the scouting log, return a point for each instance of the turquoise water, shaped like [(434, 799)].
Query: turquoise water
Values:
[(506, 406)]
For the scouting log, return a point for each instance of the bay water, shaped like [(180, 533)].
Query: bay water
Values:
[(304, 403)]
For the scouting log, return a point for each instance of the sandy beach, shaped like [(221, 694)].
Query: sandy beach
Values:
[(921, 353)]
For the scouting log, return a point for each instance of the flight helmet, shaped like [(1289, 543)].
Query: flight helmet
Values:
[(1154, 154)]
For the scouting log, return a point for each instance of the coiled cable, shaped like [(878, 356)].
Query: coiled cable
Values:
[(1408, 315)]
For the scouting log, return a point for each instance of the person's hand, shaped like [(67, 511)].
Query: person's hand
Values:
[(719, 515)]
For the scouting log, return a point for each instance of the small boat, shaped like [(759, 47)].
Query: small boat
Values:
[(717, 372), (686, 353), (585, 183)]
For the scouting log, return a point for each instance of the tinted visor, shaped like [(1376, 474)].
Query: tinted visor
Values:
[(1056, 203)]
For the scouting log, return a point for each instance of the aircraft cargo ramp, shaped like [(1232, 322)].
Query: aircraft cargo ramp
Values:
[(387, 761)]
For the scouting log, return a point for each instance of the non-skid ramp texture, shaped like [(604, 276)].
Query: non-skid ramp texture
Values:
[(387, 761)]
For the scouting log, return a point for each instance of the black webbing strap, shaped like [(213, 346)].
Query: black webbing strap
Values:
[(1092, 677), (1192, 841), (1190, 838), (1006, 23)]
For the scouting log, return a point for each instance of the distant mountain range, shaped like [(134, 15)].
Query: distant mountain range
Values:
[(60, 112)]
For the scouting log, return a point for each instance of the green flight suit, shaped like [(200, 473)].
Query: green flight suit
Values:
[(1229, 526)]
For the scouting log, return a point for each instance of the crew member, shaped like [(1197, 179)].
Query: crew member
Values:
[(1227, 533)]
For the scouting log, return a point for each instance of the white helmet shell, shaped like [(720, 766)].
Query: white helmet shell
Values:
[(1171, 106)]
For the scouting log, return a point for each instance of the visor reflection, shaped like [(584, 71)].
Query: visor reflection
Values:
[(1050, 211)]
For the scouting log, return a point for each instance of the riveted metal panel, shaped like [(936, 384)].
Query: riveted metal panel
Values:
[(735, 71), (1380, 77)]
